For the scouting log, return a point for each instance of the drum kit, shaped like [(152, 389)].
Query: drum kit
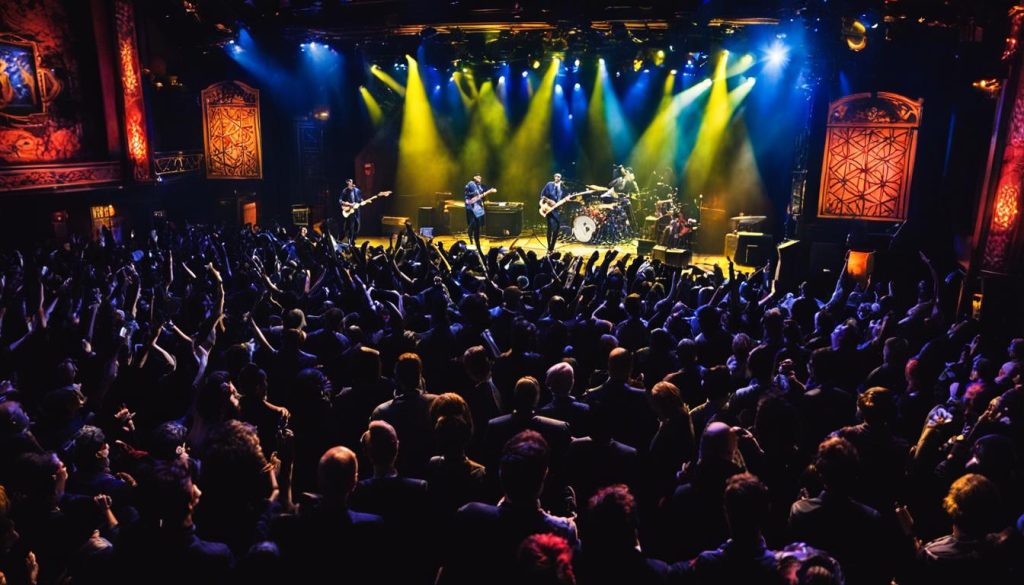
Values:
[(603, 219)]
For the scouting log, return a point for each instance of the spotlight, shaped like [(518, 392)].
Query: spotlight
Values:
[(600, 61), (558, 88), (525, 74), (747, 59), (536, 63), (576, 63), (576, 87), (322, 114), (777, 56), (673, 72), (570, 116), (638, 64), (501, 79), (437, 87), (647, 70), (659, 58)]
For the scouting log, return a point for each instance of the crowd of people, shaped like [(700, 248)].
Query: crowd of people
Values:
[(199, 404)]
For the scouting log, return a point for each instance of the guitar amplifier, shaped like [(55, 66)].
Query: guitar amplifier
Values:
[(454, 215), (644, 247), (678, 257), (392, 225), (503, 220)]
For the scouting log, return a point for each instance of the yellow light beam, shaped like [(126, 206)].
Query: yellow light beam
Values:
[(387, 79), (716, 120), (527, 160), (658, 146), (488, 133), (424, 163), (372, 107)]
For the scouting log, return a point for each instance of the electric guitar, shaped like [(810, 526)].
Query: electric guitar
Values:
[(471, 203), (347, 209), (549, 205)]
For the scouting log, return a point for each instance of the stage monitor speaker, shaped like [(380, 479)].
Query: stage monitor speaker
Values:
[(659, 253), (503, 222), (749, 248), (644, 247), (425, 217), (455, 212), (791, 268), (678, 257), (392, 224)]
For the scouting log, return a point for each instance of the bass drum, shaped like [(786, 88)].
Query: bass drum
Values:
[(584, 228)]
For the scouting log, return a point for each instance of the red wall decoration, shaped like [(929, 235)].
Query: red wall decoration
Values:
[(999, 215), (870, 146), (38, 66), (231, 131), (131, 85)]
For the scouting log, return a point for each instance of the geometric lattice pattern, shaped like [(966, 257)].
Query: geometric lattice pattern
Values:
[(231, 131), (869, 156)]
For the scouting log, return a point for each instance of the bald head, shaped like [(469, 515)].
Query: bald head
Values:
[(620, 363), (718, 442), (337, 473), (560, 379)]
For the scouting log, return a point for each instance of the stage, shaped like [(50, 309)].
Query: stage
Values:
[(536, 243)]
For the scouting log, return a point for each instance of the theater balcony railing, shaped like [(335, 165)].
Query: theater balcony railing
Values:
[(176, 164)]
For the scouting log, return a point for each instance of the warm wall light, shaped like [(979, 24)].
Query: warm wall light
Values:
[(860, 265), (990, 86), (131, 83)]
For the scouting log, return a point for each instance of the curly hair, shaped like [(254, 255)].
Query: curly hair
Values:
[(546, 559)]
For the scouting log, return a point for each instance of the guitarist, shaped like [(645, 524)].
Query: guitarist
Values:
[(474, 194), (350, 195), (553, 192)]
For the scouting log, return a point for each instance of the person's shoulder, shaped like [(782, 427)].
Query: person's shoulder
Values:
[(364, 518), (477, 511), (636, 392), (805, 506), (551, 423), (623, 449)]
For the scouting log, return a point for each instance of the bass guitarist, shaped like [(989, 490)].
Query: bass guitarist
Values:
[(474, 194), (350, 195), (550, 195)]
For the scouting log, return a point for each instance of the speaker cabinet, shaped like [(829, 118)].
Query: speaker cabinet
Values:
[(659, 253), (392, 224), (791, 269), (678, 257), (425, 217), (749, 248), (503, 221), (644, 247)]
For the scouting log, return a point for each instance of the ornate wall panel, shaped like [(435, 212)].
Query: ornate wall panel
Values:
[(131, 86), (231, 131), (1003, 223), (870, 146), (40, 86), (61, 175)]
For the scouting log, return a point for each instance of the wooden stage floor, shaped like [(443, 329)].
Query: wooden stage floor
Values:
[(538, 244)]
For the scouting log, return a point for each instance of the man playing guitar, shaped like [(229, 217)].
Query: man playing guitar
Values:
[(549, 198), (350, 195), (474, 194)]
